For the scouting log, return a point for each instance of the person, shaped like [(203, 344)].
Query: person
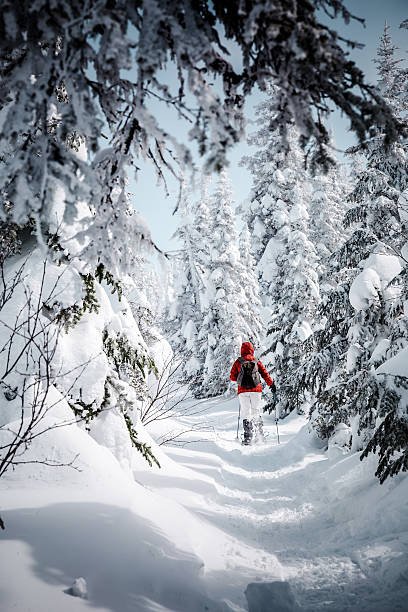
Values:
[(249, 390)]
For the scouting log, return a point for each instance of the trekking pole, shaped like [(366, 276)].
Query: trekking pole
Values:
[(277, 428), (239, 416)]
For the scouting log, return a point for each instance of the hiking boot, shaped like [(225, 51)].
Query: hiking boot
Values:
[(248, 431)]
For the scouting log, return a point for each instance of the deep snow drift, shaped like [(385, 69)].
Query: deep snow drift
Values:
[(219, 527)]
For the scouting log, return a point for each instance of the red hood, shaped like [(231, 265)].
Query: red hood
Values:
[(247, 351)]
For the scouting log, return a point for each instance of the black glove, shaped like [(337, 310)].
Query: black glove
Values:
[(273, 387)]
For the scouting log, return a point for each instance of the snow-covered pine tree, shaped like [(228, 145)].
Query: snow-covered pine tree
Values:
[(377, 240), (327, 208), (390, 438), (216, 303), (250, 303), (228, 317), (328, 205), (391, 79), (267, 159), (295, 294), (144, 295), (201, 232), (184, 312), (219, 333), (350, 349), (276, 173), (201, 227), (287, 260)]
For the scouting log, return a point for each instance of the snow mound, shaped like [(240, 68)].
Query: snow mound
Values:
[(78, 589), (339, 443)]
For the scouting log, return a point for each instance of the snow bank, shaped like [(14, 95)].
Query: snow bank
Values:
[(82, 373), (339, 443), (135, 548)]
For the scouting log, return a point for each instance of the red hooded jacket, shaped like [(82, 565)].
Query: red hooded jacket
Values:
[(247, 352)]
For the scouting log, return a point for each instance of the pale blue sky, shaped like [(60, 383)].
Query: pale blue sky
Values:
[(149, 198)]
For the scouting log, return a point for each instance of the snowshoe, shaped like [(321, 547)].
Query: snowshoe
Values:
[(259, 435), (255, 440), (260, 439)]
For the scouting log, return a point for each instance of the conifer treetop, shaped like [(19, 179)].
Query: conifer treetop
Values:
[(387, 67)]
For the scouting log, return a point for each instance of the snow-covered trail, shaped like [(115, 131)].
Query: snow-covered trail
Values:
[(218, 528), (318, 513)]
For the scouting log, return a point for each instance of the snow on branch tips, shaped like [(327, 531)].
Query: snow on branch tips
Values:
[(55, 101)]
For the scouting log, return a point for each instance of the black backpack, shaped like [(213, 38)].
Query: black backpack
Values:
[(248, 376)]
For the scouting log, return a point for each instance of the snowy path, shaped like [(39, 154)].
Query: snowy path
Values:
[(278, 499), (306, 529)]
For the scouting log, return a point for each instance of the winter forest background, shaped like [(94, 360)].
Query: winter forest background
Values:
[(125, 342)]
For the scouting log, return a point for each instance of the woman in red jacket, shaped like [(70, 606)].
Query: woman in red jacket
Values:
[(247, 371)]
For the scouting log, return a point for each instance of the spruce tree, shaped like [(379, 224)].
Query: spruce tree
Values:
[(328, 205), (287, 261), (376, 240), (327, 208), (201, 226), (201, 238), (220, 332), (230, 303), (390, 436), (216, 305), (264, 164), (296, 296), (250, 304), (184, 312), (343, 371)]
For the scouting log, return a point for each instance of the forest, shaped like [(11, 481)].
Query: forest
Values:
[(124, 483)]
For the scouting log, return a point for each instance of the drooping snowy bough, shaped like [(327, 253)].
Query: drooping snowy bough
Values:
[(72, 71)]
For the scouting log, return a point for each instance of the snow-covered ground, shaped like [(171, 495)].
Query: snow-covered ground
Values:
[(220, 527)]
